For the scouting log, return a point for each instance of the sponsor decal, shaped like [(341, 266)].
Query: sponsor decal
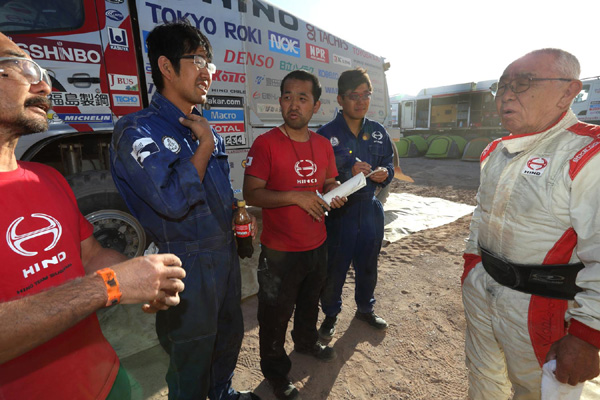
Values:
[(328, 74), (16, 239), (334, 141), (377, 135), (226, 76), (248, 58), (117, 39), (227, 128), (143, 148), (317, 53), (171, 144), (265, 96), (268, 108), (216, 114), (365, 54), (123, 82), (225, 101), (288, 66), (331, 90), (305, 168), (60, 50), (85, 118), (284, 44), (115, 1), (314, 34), (235, 140), (243, 33), (162, 14), (536, 166), (259, 79), (114, 15), (126, 100), (59, 99), (341, 60)]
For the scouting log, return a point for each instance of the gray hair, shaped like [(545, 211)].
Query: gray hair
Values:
[(566, 64)]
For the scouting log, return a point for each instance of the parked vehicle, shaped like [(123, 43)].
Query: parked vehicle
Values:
[(469, 110), (95, 53)]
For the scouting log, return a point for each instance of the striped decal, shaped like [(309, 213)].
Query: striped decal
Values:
[(589, 151), (546, 316)]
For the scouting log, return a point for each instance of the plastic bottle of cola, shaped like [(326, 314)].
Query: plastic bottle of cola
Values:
[(243, 229)]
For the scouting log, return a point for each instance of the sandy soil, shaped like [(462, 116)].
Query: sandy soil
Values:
[(421, 355)]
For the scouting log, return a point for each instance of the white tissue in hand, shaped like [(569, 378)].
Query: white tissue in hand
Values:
[(357, 182), (552, 389)]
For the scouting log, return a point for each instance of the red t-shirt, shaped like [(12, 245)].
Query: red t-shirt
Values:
[(42, 230), (288, 165)]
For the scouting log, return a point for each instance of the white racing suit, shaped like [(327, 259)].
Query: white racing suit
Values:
[(538, 204)]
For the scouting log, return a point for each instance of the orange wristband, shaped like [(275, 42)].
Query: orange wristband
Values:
[(112, 286)]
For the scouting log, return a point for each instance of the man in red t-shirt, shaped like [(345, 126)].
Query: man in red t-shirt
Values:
[(285, 168), (55, 274)]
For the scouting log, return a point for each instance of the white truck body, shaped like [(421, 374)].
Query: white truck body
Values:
[(95, 53)]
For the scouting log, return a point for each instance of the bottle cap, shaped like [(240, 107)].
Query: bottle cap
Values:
[(241, 203)]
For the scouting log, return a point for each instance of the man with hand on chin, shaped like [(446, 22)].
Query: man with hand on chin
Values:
[(171, 168), (285, 167)]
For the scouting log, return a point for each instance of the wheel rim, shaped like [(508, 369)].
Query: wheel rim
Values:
[(119, 231)]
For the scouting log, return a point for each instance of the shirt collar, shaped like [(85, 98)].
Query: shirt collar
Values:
[(170, 112), (518, 143)]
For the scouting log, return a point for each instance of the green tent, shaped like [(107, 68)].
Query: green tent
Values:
[(411, 146), (446, 147), (474, 148)]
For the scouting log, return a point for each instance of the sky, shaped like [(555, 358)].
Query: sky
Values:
[(433, 43)]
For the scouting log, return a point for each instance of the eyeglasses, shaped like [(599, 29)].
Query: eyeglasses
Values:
[(519, 85), (355, 96), (24, 70), (201, 62)]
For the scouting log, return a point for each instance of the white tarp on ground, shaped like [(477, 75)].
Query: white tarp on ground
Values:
[(407, 213), (129, 330)]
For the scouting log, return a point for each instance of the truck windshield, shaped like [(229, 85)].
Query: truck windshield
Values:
[(28, 16)]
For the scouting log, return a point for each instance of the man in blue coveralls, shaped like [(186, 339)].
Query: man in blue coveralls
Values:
[(171, 168), (355, 232)]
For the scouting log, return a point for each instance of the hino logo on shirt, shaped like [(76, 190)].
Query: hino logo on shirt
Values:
[(16, 240), (536, 166), (305, 169)]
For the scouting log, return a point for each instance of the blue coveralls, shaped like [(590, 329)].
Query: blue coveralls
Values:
[(355, 231), (150, 153)]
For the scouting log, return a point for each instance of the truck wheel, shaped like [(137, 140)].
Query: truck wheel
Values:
[(99, 201)]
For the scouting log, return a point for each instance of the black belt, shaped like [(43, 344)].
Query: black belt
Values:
[(555, 280)]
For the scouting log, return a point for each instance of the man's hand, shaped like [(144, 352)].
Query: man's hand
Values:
[(254, 228), (379, 175), (361, 166), (200, 130), (576, 360), (338, 201), (155, 279), (312, 204)]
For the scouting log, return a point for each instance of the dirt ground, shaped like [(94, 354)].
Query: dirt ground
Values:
[(421, 355)]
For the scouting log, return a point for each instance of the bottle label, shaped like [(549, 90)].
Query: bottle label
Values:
[(243, 231)]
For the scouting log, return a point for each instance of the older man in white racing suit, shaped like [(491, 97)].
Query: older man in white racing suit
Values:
[(537, 229)]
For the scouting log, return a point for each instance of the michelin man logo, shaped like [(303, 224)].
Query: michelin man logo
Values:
[(15, 240), (334, 141)]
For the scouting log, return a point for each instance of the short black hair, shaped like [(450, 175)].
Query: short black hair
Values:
[(353, 78), (303, 75), (173, 40)]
